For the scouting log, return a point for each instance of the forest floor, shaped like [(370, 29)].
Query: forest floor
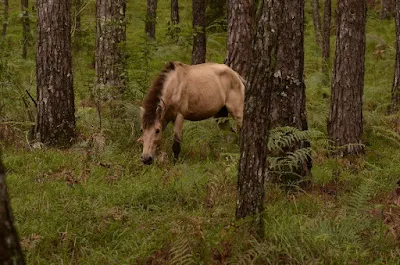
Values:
[(95, 203)]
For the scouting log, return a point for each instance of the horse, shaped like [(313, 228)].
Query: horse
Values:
[(188, 92)]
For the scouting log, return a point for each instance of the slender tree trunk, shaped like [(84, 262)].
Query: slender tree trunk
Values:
[(25, 27), (55, 123), (345, 123), (386, 9), (317, 22), (110, 48), (199, 31), (5, 22), (151, 18), (174, 12), (10, 248), (288, 98), (253, 147), (395, 102), (326, 37), (241, 23)]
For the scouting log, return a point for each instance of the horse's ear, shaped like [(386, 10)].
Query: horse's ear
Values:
[(141, 112), (160, 112)]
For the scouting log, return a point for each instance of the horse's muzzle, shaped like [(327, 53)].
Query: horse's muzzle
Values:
[(147, 160)]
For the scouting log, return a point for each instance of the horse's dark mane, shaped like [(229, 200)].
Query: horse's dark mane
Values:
[(153, 97)]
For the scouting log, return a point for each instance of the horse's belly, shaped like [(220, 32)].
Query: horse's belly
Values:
[(198, 116)]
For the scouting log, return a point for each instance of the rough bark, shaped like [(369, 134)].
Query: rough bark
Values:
[(288, 99), (199, 31), (55, 123), (110, 48), (345, 123), (386, 9), (151, 19), (317, 22), (395, 101), (253, 147), (10, 248), (326, 36), (5, 14), (25, 27), (241, 24)]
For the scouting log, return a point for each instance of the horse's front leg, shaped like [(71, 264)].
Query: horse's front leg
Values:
[(176, 146)]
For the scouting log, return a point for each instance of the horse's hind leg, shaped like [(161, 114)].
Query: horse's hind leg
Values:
[(176, 146), (235, 108)]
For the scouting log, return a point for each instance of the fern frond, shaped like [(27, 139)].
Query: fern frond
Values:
[(181, 253)]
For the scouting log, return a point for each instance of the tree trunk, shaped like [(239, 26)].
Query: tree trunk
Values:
[(345, 123), (317, 22), (199, 31), (10, 248), (395, 102), (174, 12), (386, 9), (253, 147), (288, 99), (76, 23), (151, 18), (5, 22), (55, 123), (110, 48), (326, 36), (241, 23), (25, 27)]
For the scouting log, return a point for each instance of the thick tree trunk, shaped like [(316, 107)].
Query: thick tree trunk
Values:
[(326, 36), (25, 27), (253, 147), (241, 23), (151, 19), (110, 48), (5, 14), (199, 31), (10, 249), (55, 123), (345, 123), (317, 22), (395, 102), (288, 98), (386, 9)]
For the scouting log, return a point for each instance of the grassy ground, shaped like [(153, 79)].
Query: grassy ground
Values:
[(96, 204)]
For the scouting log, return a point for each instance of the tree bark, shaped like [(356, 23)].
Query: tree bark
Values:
[(174, 12), (25, 27), (386, 9), (326, 36), (241, 24), (10, 248), (151, 18), (110, 48), (317, 22), (253, 147), (5, 22), (395, 100), (345, 123), (288, 98), (199, 31), (55, 123)]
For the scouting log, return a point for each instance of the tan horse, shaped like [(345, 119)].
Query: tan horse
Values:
[(188, 92)]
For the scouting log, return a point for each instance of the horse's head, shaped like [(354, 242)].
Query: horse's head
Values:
[(151, 135)]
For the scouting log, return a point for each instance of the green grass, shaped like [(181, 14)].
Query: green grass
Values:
[(96, 204)]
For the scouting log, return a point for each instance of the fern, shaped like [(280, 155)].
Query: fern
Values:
[(181, 253), (358, 200)]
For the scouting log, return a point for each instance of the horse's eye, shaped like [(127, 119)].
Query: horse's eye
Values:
[(141, 130), (157, 131)]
